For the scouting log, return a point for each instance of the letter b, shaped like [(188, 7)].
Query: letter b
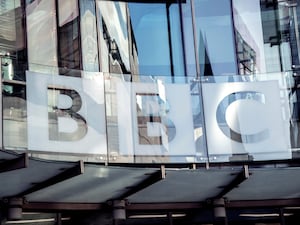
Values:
[(67, 113), (154, 127)]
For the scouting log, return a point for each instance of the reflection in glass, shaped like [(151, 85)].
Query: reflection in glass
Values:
[(154, 120), (154, 127), (157, 38), (247, 120), (14, 117), (88, 35), (216, 52), (265, 29), (188, 38), (41, 34), (150, 26), (157, 32), (12, 40), (13, 64), (249, 36), (69, 52), (140, 38), (267, 36), (175, 37), (113, 36), (55, 113)]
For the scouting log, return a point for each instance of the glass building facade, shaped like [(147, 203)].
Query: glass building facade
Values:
[(151, 82), (163, 73)]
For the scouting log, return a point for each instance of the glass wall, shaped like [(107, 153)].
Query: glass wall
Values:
[(157, 31), (169, 38), (264, 35), (141, 38), (68, 34), (13, 63), (132, 71), (215, 37), (158, 119), (88, 31), (41, 32), (114, 37)]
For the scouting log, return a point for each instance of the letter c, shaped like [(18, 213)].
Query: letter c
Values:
[(226, 129)]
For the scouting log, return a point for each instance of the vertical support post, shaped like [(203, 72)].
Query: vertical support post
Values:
[(163, 171), (1, 215), (14, 211), (195, 39), (246, 171), (282, 219), (1, 107), (170, 218), (170, 39), (294, 8), (58, 219), (119, 212), (219, 212)]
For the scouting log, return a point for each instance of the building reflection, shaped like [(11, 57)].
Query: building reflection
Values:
[(173, 39)]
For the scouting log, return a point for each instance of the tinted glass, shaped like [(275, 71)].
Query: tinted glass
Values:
[(69, 53), (215, 39), (140, 38), (41, 34)]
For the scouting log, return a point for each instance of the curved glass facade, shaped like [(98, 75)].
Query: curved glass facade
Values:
[(193, 81)]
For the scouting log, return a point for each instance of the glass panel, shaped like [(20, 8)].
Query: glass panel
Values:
[(295, 110), (271, 35), (216, 52), (280, 33), (247, 117), (249, 36), (69, 52), (294, 16), (41, 34), (11, 28), (14, 123), (162, 125), (14, 116), (66, 119), (264, 35), (12, 40), (268, 41), (175, 34), (156, 28), (113, 36), (188, 38), (140, 38), (13, 64), (150, 27), (89, 36), (153, 119)]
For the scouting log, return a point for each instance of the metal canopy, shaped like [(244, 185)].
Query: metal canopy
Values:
[(28, 174), (98, 184), (55, 185), (268, 183), (186, 185), (15, 163)]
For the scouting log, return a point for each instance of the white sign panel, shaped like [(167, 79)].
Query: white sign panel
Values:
[(155, 119), (246, 118), (66, 114)]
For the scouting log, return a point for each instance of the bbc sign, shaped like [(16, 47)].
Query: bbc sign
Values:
[(159, 120), (246, 118), (67, 114)]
